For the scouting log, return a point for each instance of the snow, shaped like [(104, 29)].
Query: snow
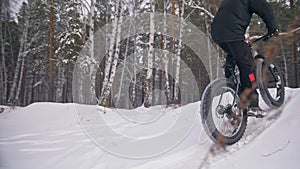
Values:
[(14, 8), (52, 135)]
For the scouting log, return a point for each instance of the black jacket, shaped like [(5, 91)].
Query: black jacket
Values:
[(233, 18)]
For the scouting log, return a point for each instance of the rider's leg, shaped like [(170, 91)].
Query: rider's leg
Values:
[(229, 66), (230, 62), (241, 51)]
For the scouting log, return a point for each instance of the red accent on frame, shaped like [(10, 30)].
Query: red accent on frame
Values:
[(252, 77)]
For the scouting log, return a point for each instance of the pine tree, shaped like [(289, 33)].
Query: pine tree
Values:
[(69, 38), (36, 54)]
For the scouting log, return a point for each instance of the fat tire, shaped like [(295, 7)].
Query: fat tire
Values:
[(206, 114), (265, 94)]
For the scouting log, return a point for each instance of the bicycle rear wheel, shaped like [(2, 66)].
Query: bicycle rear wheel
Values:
[(223, 121), (270, 82)]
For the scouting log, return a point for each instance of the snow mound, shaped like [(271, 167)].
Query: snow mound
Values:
[(52, 135)]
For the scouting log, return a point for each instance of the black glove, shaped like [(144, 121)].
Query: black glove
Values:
[(273, 32), (270, 34)]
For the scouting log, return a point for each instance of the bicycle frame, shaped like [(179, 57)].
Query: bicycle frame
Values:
[(237, 82)]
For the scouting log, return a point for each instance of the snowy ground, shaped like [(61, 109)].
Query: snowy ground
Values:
[(61, 136)]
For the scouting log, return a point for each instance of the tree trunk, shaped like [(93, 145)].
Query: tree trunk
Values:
[(293, 46), (51, 52), (108, 64), (149, 77), (124, 67), (285, 63), (171, 50), (92, 43), (12, 95), (177, 75), (3, 70), (30, 88), (134, 59), (60, 84), (166, 60), (21, 80), (210, 62)]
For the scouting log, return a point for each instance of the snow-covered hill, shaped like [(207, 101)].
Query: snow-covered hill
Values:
[(61, 136)]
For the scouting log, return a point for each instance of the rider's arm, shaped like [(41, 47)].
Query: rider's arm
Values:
[(263, 9)]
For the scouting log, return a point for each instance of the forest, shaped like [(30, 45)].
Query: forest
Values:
[(125, 53)]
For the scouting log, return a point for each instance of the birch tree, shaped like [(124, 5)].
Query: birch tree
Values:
[(134, 56), (166, 60), (91, 43), (150, 55), (113, 56), (177, 77), (116, 53), (109, 58), (171, 50), (19, 65)]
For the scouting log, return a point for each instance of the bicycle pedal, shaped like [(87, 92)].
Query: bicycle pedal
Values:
[(257, 114)]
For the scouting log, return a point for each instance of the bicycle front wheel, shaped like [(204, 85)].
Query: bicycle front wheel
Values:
[(270, 82), (223, 121)]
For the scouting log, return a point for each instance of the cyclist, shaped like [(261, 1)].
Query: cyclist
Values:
[(228, 29)]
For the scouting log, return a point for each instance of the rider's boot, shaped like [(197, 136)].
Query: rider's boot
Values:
[(256, 113), (255, 110), (249, 102)]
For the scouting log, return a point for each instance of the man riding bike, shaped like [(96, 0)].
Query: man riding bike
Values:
[(228, 29)]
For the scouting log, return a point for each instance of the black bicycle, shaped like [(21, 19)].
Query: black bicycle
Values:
[(224, 121)]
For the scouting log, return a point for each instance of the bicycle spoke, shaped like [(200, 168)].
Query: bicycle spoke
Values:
[(225, 97)]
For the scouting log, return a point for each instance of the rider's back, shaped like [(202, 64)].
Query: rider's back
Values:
[(233, 18)]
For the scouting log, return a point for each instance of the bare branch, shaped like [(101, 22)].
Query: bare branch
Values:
[(193, 5), (280, 34), (289, 32)]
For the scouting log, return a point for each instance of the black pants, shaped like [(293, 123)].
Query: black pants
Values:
[(239, 52)]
